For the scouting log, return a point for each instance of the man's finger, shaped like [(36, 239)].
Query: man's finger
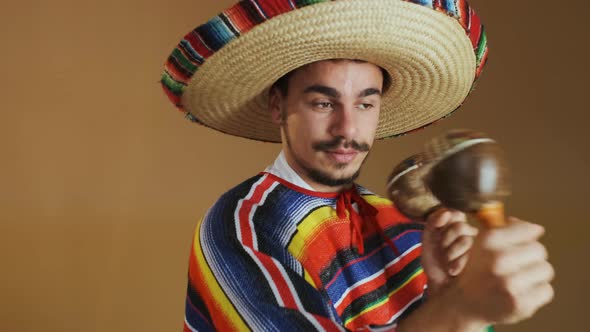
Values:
[(515, 232), (456, 229), (457, 215), (530, 277), (516, 258), (442, 217), (535, 298), (459, 247), (438, 218), (457, 265)]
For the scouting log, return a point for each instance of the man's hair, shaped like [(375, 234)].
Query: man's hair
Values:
[(282, 84)]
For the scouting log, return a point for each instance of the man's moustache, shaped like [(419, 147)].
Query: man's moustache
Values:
[(337, 142)]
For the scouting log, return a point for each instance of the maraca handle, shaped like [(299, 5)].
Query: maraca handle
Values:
[(491, 215)]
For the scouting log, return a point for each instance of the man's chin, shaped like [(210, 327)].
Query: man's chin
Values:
[(345, 169), (334, 177)]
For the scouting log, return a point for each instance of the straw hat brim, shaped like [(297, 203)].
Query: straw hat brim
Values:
[(427, 53)]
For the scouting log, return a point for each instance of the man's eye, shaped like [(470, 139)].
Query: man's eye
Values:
[(365, 106), (324, 105)]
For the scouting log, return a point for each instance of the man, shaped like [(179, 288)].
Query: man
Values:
[(300, 247)]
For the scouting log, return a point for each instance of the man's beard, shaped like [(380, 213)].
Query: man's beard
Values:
[(325, 178)]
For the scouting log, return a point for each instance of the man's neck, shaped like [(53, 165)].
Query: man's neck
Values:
[(317, 186)]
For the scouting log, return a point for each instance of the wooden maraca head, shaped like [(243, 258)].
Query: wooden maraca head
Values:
[(406, 188), (469, 170)]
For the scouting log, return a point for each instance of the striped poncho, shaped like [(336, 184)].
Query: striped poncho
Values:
[(271, 256)]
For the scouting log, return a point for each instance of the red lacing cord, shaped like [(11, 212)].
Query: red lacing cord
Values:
[(367, 213)]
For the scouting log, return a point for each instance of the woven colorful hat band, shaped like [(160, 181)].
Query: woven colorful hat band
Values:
[(220, 73)]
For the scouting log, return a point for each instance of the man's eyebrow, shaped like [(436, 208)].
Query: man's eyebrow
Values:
[(325, 90), (369, 92), (331, 92)]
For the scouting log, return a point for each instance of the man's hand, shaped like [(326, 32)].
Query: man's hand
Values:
[(508, 276), (446, 242), (506, 279)]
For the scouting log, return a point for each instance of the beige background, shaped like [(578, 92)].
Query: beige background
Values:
[(101, 180)]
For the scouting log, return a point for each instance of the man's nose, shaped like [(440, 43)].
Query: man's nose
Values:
[(344, 123)]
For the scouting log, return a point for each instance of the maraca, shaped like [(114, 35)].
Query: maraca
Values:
[(466, 171), (407, 189)]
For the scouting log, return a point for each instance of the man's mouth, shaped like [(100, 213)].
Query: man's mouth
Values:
[(342, 156), (340, 151)]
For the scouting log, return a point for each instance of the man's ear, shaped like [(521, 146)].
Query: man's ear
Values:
[(275, 104)]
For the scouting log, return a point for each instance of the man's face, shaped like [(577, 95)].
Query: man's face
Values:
[(328, 120)]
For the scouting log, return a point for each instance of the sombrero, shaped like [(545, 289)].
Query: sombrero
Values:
[(220, 73)]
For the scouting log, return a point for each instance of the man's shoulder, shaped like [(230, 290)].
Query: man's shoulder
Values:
[(254, 189), (242, 189), (228, 202)]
